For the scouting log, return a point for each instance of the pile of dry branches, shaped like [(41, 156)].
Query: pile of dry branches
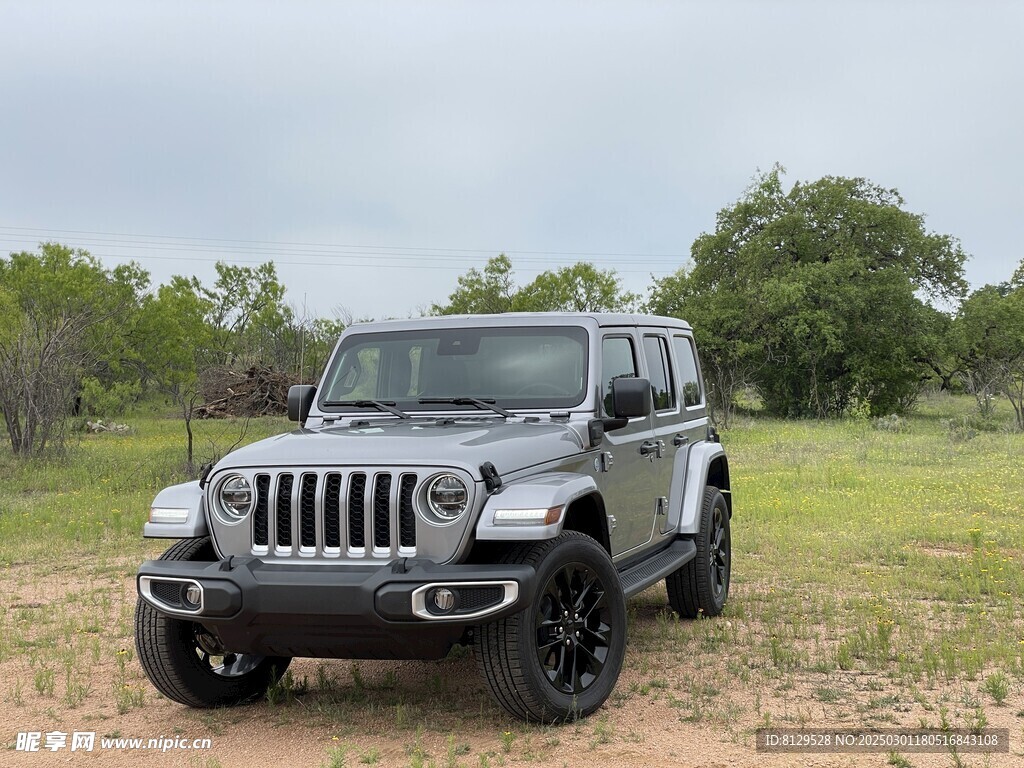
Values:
[(258, 391)]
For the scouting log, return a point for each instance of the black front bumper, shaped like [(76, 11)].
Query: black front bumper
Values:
[(332, 610)]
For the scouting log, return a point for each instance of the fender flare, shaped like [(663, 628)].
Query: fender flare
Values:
[(551, 489), (701, 464), (186, 497)]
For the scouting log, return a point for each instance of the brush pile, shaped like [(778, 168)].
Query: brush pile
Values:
[(258, 391)]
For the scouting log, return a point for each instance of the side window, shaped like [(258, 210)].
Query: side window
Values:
[(617, 361), (689, 381), (656, 354)]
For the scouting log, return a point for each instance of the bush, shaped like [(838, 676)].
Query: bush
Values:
[(100, 400), (891, 423)]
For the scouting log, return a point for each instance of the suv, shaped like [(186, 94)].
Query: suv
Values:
[(501, 481)]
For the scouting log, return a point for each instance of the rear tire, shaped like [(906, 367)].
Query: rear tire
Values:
[(702, 585), (560, 657), (185, 662)]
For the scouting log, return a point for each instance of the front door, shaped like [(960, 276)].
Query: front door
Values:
[(625, 475)]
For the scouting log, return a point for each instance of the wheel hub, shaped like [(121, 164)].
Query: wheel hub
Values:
[(208, 643)]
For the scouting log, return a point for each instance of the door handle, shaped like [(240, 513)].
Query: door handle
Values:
[(680, 440), (652, 446)]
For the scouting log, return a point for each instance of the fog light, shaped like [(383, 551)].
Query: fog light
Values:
[(193, 596), (444, 599)]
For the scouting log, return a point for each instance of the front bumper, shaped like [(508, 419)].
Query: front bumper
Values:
[(335, 611)]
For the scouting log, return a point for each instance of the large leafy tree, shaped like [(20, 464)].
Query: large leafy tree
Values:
[(490, 291), (173, 344), (989, 336), (581, 287), (816, 295), (62, 319), (245, 308)]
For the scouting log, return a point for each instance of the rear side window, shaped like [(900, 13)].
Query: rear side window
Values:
[(656, 354), (689, 381), (617, 361)]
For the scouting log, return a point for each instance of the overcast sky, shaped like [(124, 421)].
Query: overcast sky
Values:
[(375, 151)]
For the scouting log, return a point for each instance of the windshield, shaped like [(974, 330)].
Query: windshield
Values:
[(529, 367)]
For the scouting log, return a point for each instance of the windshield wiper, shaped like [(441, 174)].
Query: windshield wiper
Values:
[(486, 403), (387, 406)]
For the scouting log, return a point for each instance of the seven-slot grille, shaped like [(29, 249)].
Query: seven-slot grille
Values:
[(365, 513)]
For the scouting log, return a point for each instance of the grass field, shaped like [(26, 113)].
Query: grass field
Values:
[(878, 568)]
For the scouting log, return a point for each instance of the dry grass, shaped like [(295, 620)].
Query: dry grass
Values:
[(877, 581)]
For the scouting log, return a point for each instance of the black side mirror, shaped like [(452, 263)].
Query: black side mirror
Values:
[(631, 397), (300, 400)]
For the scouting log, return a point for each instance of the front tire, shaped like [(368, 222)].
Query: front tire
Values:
[(560, 657), (702, 585), (185, 661)]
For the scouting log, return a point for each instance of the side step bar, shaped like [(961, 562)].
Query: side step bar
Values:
[(640, 577)]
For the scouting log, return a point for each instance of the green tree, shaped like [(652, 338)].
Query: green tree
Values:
[(815, 295), (579, 288), (481, 293), (729, 356), (174, 342), (321, 336), (62, 318), (251, 323), (989, 331)]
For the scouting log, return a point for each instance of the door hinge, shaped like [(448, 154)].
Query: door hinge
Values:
[(612, 523), (662, 506), (603, 462)]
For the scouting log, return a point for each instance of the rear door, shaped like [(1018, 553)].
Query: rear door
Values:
[(693, 422), (665, 421)]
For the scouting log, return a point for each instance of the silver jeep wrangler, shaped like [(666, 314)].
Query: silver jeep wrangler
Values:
[(501, 481)]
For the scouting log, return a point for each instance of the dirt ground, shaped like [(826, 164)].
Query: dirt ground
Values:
[(676, 704)]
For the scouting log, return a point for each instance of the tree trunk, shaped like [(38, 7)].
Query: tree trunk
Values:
[(187, 408)]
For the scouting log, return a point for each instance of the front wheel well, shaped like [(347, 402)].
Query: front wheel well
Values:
[(587, 515)]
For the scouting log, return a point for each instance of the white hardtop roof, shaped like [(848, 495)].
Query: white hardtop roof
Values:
[(600, 319)]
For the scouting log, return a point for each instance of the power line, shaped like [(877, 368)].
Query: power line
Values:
[(320, 264), (198, 248), (189, 242)]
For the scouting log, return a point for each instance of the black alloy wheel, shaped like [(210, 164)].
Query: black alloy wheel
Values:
[(559, 658), (701, 587), (573, 629)]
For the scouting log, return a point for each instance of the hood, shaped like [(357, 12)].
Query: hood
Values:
[(465, 443)]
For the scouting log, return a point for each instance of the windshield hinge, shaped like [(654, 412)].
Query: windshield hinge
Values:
[(492, 480)]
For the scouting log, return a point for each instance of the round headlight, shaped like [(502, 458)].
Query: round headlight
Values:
[(236, 497), (447, 496)]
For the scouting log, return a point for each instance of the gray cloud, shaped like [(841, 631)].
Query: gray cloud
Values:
[(571, 127)]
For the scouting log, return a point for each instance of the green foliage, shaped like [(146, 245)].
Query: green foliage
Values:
[(108, 400), (173, 343), (988, 335), (997, 686), (245, 309), (479, 293), (62, 318), (798, 293), (318, 342), (579, 288)]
